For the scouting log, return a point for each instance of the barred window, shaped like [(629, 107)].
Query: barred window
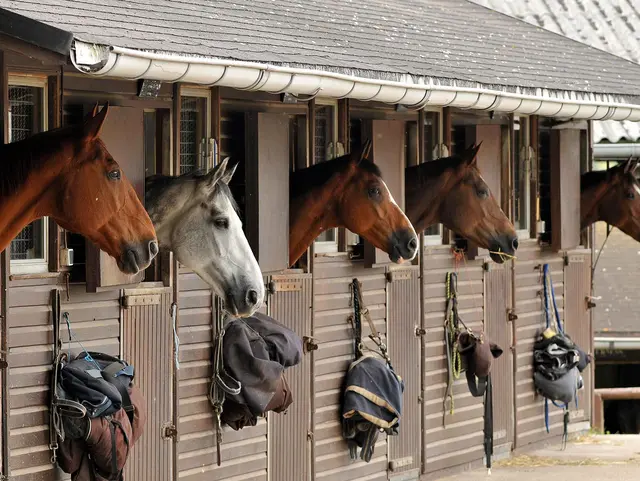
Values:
[(26, 118), (192, 133)]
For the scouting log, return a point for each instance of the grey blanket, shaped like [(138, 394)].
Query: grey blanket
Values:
[(257, 350)]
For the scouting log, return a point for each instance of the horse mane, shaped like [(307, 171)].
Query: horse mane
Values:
[(19, 159), (158, 182), (310, 178), (433, 168), (592, 179)]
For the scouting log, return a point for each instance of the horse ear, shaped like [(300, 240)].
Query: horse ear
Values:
[(228, 174), (93, 126), (630, 165), (471, 154), (215, 175), (366, 151), (95, 109)]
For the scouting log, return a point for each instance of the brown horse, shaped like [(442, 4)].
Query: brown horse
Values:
[(612, 196), (452, 192), (68, 175), (348, 192)]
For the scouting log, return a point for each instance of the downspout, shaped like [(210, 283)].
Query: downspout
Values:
[(413, 92)]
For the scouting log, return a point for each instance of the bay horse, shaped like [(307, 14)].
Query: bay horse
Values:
[(196, 217), (612, 196), (347, 191), (451, 191), (68, 174)]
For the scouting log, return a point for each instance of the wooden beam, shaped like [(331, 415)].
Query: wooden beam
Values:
[(344, 137), (447, 235), (216, 119), (4, 277), (176, 112), (534, 194), (565, 189), (55, 103)]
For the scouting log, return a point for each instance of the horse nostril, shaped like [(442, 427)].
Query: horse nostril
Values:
[(252, 297), (153, 248), (413, 244), (514, 244)]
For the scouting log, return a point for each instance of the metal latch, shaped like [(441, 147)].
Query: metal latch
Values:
[(420, 331), (512, 315), (310, 344), (169, 431)]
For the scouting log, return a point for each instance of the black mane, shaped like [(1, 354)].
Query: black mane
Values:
[(433, 169), (304, 180), (592, 179)]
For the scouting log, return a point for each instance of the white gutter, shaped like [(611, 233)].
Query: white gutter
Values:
[(412, 91), (614, 343), (616, 151)]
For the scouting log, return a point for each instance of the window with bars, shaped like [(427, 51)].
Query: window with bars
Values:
[(28, 251), (521, 174), (193, 124)]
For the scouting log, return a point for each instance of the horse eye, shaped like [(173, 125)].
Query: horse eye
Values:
[(114, 175), (630, 195), (374, 192), (221, 223), (483, 193)]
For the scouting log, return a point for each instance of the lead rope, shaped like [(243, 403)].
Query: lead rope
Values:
[(361, 310), (451, 330), (221, 383)]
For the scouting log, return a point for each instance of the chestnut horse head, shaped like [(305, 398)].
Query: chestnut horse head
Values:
[(452, 192), (68, 175), (348, 192), (612, 196)]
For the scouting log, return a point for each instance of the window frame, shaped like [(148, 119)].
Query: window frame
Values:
[(39, 265), (523, 145), (328, 246)]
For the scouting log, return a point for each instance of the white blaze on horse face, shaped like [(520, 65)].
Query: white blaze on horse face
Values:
[(636, 187), (393, 201)]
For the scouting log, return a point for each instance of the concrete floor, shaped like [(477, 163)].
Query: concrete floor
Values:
[(589, 458)]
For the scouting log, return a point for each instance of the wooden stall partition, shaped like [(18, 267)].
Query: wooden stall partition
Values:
[(332, 331), (528, 304), (451, 440)]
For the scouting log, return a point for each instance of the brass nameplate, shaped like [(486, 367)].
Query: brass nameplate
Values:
[(141, 300)]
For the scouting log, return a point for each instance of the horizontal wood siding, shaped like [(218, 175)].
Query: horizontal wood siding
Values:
[(529, 307), (460, 442), (244, 452), (332, 275), (94, 322)]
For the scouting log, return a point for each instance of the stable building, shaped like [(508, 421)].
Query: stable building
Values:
[(279, 87)]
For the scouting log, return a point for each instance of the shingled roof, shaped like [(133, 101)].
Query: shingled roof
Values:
[(451, 41), (612, 26)]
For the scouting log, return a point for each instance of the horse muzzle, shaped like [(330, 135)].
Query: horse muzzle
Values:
[(403, 246), (244, 302), (137, 257), (503, 247)]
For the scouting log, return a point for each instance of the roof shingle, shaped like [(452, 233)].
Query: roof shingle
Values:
[(443, 39)]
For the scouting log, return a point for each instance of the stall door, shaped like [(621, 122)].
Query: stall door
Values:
[(147, 335), (497, 285), (290, 432), (405, 351)]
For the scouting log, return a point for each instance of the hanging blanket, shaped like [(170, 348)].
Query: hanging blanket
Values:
[(372, 402), (257, 350)]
